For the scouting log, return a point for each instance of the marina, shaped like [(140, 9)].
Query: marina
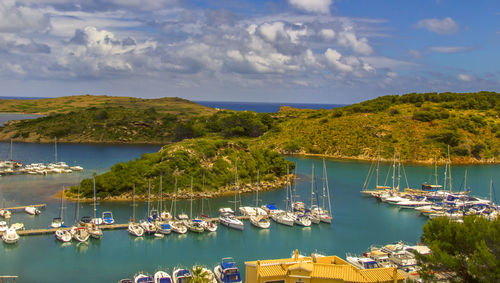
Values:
[(353, 216)]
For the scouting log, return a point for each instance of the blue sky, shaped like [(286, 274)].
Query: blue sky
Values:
[(318, 51)]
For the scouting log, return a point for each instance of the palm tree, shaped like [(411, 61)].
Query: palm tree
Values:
[(199, 275)]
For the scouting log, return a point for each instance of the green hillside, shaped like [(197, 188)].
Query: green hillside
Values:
[(418, 126)]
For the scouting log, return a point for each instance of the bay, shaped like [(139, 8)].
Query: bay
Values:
[(358, 221)]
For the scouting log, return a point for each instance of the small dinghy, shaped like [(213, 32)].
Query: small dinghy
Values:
[(80, 234), (182, 275)]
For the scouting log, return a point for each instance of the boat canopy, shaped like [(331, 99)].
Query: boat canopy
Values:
[(271, 206), (184, 273)]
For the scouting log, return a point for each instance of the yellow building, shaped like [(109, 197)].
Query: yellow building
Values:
[(315, 269)]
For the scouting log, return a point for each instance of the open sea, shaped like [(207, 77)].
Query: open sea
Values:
[(358, 221)]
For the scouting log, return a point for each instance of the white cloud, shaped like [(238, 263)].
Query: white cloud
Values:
[(444, 26), (349, 39), (327, 34), (386, 62), (333, 58), (451, 49), (272, 31), (315, 6), (14, 18), (465, 77)]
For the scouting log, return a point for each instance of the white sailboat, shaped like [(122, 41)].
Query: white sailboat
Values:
[(165, 215), (194, 225), (315, 219), (260, 218), (176, 226), (227, 216), (93, 229), (80, 234), (147, 225), (58, 221), (134, 228)]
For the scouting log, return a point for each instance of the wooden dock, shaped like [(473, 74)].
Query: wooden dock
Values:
[(103, 227), (21, 208), (53, 230)]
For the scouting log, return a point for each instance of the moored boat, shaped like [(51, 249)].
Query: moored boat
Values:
[(162, 277), (260, 221), (181, 275), (63, 235), (143, 278), (32, 210), (107, 217), (227, 271), (10, 236)]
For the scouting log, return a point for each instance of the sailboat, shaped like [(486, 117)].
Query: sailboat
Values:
[(260, 219), (149, 228), (58, 221), (378, 188), (284, 217), (93, 229), (176, 226), (227, 217), (208, 225), (165, 215), (134, 228), (78, 233), (315, 219), (194, 225), (324, 214)]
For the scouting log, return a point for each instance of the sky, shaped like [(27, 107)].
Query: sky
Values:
[(316, 51)]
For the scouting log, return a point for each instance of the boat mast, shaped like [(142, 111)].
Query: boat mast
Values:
[(133, 203), (161, 196), (77, 206), (235, 182), (491, 191), (327, 190), (449, 167), (324, 193), (393, 171), (378, 164), (312, 185), (175, 196), (436, 171), (399, 170), (62, 208), (258, 186), (95, 199), (202, 190), (55, 149), (149, 191), (11, 149), (287, 186), (191, 206), (465, 182)]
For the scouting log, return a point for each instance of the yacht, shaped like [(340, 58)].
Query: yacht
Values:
[(178, 227), (149, 228), (210, 226), (302, 220), (80, 234), (135, 229), (162, 277), (362, 262), (163, 228), (107, 217), (195, 225), (229, 220), (181, 276), (260, 221), (57, 223), (282, 217), (227, 271), (143, 278), (10, 236)]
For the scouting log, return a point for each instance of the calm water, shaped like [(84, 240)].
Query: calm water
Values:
[(264, 106), (358, 222)]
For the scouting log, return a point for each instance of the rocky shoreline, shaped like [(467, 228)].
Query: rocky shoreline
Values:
[(185, 194)]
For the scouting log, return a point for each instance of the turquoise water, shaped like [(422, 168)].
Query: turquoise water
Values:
[(358, 222)]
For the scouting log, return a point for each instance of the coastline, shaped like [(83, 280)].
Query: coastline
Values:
[(185, 194)]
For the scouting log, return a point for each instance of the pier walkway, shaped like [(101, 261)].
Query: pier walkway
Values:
[(104, 227), (21, 208)]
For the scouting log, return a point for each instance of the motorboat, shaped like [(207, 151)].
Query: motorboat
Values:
[(63, 235), (17, 226), (96, 221), (57, 223), (94, 231), (225, 210), (229, 220), (76, 168), (85, 220), (362, 262), (154, 215), (5, 213), (227, 271), (163, 228), (247, 211), (162, 277), (3, 226), (149, 228), (32, 210), (302, 220), (107, 217), (10, 236), (178, 227), (80, 234), (260, 221), (143, 278), (181, 276), (135, 229)]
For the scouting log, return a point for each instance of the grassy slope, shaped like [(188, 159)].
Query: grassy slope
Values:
[(67, 104), (350, 132), (100, 119)]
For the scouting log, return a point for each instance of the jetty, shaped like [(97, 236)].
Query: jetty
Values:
[(22, 207), (104, 227)]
